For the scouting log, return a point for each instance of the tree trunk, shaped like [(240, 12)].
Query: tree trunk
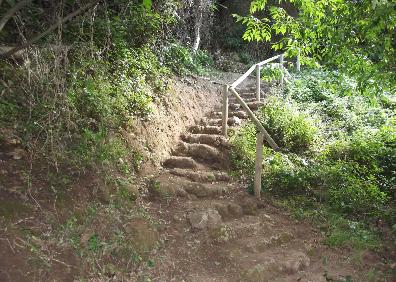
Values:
[(198, 24)]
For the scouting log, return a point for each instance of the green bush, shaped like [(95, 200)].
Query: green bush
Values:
[(342, 148), (109, 77), (289, 127), (182, 60), (349, 192)]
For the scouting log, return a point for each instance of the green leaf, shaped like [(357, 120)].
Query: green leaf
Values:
[(147, 4)]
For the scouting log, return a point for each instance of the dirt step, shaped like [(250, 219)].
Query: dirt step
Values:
[(255, 105), (247, 100), (180, 162), (207, 129), (267, 266), (209, 139), (204, 153), (211, 122), (201, 176), (272, 239), (247, 95), (240, 114), (168, 185), (232, 121)]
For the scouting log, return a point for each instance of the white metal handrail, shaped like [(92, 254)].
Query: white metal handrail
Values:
[(263, 134)]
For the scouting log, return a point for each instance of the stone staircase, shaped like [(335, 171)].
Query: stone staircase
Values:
[(215, 231)]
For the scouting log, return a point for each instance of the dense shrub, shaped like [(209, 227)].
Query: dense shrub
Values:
[(101, 70), (183, 60), (289, 127), (349, 148)]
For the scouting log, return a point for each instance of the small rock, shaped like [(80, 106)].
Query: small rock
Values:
[(295, 262), (234, 121), (223, 210), (257, 273), (17, 154), (143, 235), (196, 189), (235, 210), (181, 193), (205, 219), (192, 197), (249, 206), (260, 205)]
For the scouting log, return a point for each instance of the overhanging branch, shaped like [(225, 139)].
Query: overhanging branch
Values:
[(12, 11), (49, 30)]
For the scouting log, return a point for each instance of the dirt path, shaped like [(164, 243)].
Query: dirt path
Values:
[(214, 231)]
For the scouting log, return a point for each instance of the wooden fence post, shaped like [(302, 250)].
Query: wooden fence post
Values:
[(225, 111), (281, 68), (258, 165), (258, 80), (298, 63)]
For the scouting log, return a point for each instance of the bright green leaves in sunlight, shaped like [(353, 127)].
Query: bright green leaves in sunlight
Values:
[(358, 38), (257, 5), (147, 4)]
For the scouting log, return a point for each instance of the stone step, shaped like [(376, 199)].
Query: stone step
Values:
[(202, 152), (201, 176), (247, 100), (209, 139), (211, 122), (232, 121), (180, 162), (204, 190), (252, 105), (169, 185), (268, 266), (200, 129), (239, 114)]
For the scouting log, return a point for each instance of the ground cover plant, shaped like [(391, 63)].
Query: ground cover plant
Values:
[(338, 162)]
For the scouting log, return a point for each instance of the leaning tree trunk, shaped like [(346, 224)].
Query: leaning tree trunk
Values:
[(198, 24)]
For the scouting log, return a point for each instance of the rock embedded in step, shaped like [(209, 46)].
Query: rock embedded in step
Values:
[(249, 206), (142, 234), (180, 162), (295, 261), (223, 210), (257, 273), (196, 189), (207, 219), (235, 210), (234, 107), (234, 121), (289, 263)]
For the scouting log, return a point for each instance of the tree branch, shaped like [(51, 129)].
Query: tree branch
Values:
[(46, 32), (12, 11)]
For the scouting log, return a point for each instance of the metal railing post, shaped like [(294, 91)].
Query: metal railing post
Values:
[(258, 164), (298, 63), (258, 80), (281, 68), (225, 111)]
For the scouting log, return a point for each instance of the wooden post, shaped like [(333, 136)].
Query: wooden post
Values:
[(281, 68), (258, 80), (298, 63), (225, 111), (267, 137), (258, 165)]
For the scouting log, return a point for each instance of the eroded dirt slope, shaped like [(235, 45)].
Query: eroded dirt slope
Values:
[(214, 231)]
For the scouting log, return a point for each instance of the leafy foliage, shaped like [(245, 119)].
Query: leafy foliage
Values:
[(356, 37), (182, 60), (343, 158), (99, 73), (290, 128)]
